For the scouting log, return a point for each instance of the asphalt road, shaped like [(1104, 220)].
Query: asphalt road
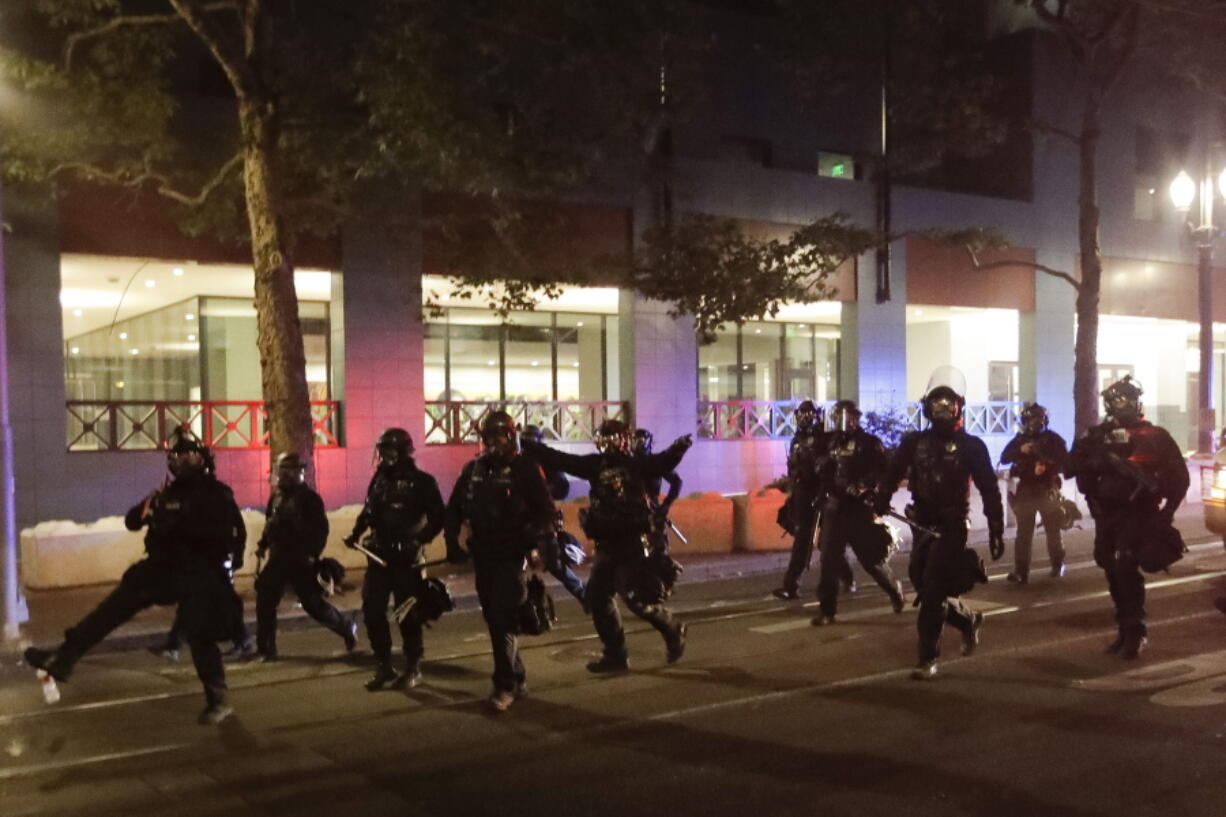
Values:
[(764, 715)]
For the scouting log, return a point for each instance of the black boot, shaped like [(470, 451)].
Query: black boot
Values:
[(384, 675), (1133, 645), (675, 643), (608, 664), (49, 662)]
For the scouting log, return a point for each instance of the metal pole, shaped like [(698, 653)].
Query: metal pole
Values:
[(1204, 391), (14, 609)]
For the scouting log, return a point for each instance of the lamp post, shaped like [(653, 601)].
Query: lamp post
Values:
[(1184, 190)]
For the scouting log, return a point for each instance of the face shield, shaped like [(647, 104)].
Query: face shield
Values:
[(389, 455), (846, 419), (289, 476), (185, 462), (613, 443), (500, 442), (642, 444)]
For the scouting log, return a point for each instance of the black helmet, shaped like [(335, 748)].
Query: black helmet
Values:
[(499, 434), (532, 433), (1122, 400), (846, 415), (185, 453), (943, 407), (329, 573), (394, 446), (290, 469), (808, 415), (1034, 418), (613, 435), (431, 600), (643, 440)]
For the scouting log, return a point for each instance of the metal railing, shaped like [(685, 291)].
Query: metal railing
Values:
[(749, 419), (457, 421), (144, 425), (774, 419), (994, 418)]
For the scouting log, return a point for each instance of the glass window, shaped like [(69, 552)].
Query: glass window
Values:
[(770, 360), (471, 354), (760, 353), (717, 366), (474, 355)]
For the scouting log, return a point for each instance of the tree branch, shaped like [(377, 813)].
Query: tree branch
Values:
[(221, 45), (1061, 274), (127, 178), (125, 20)]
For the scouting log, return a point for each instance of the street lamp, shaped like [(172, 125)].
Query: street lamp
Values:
[(1184, 190)]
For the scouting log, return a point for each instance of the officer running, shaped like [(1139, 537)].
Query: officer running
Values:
[(502, 497), (191, 533), (404, 510), (1134, 478), (619, 522), (295, 532), (800, 512), (1038, 456), (854, 462), (939, 465)]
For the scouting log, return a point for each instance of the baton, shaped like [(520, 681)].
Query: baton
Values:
[(677, 531), (933, 532), (377, 560)]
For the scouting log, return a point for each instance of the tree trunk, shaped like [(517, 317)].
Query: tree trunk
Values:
[(1085, 359), (282, 360)]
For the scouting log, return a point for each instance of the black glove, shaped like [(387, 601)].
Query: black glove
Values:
[(881, 504), (1167, 514), (683, 442), (351, 541), (996, 543), (456, 554)]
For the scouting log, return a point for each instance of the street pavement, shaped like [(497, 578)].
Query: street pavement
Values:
[(764, 715)]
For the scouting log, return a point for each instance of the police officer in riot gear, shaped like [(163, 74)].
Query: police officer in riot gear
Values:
[(404, 511), (851, 467), (295, 532), (641, 446), (801, 512), (939, 464), (503, 497), (619, 522), (1134, 478), (1038, 457), (554, 553), (191, 532)]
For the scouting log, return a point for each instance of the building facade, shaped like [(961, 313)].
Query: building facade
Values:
[(120, 327)]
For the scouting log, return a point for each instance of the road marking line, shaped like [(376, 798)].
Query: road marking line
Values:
[(39, 768), (825, 686)]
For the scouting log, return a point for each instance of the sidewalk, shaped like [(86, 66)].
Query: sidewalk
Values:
[(52, 611)]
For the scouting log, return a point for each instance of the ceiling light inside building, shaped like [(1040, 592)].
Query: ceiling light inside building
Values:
[(177, 272), (189, 317), (76, 313), (123, 335), (76, 350), (150, 283), (191, 337), (134, 351)]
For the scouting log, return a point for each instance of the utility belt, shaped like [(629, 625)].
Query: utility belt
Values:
[(398, 549)]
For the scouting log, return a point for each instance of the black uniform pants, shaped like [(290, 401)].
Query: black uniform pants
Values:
[(205, 613), (298, 573), (1119, 532), (845, 524), (934, 569), (1047, 507), (615, 569), (557, 567), (398, 581), (804, 522), (501, 590)]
